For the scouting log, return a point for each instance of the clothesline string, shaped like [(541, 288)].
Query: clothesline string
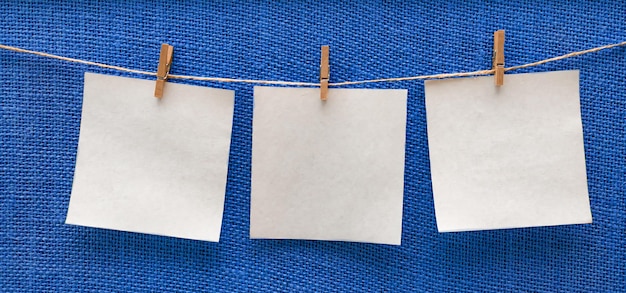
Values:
[(295, 83)]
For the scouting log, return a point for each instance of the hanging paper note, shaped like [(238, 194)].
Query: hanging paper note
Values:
[(509, 156), (328, 170), (150, 165)]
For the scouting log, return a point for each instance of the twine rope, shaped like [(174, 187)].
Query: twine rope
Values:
[(295, 83)]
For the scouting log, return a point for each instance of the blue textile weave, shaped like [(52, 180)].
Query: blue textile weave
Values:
[(40, 108)]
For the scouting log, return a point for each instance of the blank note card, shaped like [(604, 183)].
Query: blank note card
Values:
[(148, 165), (330, 170), (509, 156)]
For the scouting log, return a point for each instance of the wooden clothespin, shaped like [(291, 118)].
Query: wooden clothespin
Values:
[(324, 72), (498, 56), (165, 63)]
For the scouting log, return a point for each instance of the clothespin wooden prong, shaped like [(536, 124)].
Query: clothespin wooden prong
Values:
[(498, 56), (324, 72), (165, 63)]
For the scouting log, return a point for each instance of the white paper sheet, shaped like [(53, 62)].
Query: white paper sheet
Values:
[(509, 156), (148, 165), (329, 170)]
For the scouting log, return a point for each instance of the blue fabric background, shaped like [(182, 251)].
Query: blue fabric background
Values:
[(40, 118)]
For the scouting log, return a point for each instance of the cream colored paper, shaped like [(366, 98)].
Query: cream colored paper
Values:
[(330, 170), (148, 165), (509, 156)]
